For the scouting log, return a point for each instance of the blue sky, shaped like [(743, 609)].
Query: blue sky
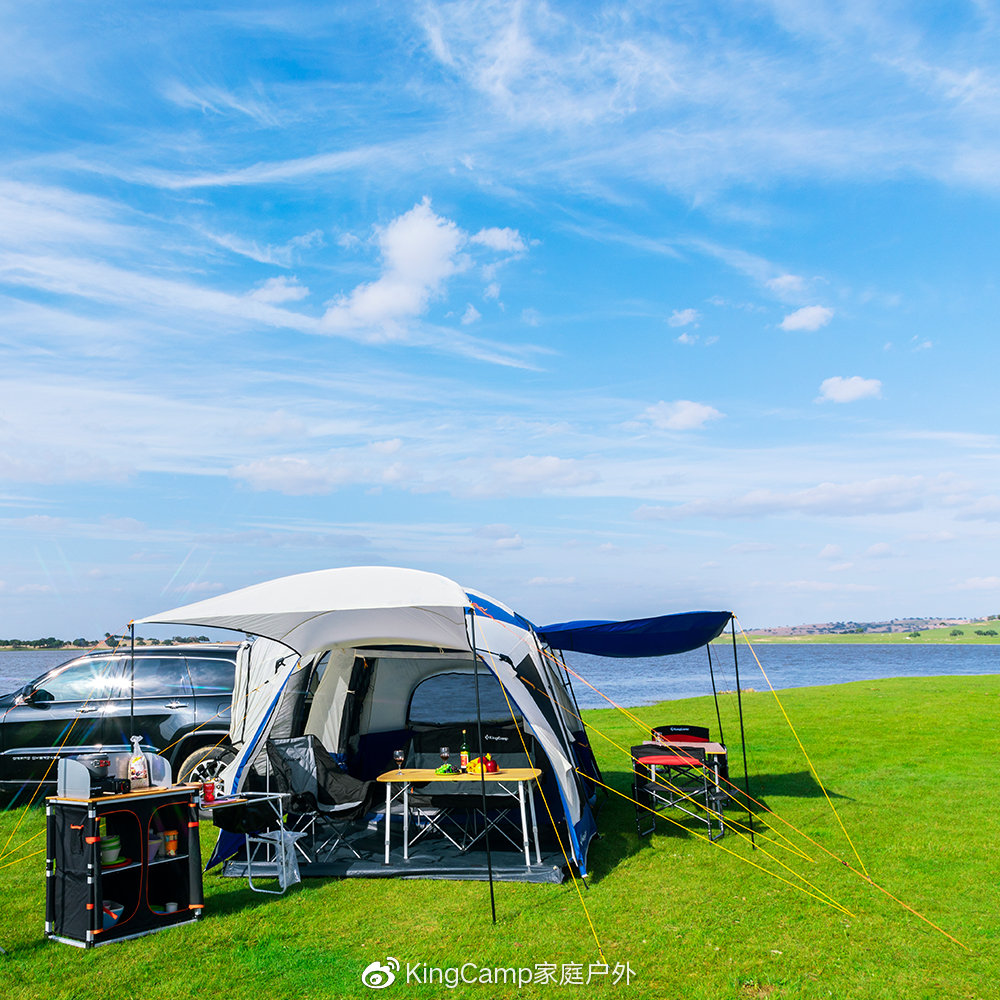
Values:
[(608, 310)]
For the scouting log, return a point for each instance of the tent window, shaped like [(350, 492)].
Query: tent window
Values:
[(317, 674), (451, 697)]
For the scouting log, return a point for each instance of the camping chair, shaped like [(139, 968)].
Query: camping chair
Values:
[(665, 776), (323, 799)]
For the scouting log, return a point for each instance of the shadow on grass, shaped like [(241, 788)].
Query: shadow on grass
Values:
[(617, 823), (792, 785)]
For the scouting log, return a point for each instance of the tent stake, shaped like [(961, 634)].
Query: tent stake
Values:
[(482, 772), (743, 739)]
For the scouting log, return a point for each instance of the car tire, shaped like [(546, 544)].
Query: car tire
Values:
[(205, 764)]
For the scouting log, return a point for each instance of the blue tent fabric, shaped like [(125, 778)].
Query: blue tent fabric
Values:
[(660, 636)]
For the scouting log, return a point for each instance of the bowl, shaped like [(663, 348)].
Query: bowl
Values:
[(153, 845), (111, 848), (112, 912)]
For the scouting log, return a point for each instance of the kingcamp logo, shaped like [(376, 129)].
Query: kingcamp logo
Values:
[(378, 977)]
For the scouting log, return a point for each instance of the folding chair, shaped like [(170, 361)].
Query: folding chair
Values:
[(324, 801), (678, 778)]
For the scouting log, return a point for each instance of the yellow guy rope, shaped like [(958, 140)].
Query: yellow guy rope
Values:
[(864, 876), (829, 801), (827, 901)]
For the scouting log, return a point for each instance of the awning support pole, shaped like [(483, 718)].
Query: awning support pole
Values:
[(743, 739), (131, 685), (482, 772), (715, 694)]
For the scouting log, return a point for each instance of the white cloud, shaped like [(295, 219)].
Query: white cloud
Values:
[(888, 495), (786, 285), (680, 415), (420, 251), (687, 338), (979, 583), (492, 291), (530, 316), (292, 476), (807, 318), (280, 289), (684, 317), (501, 240), (830, 552), (880, 550), (470, 315), (849, 389)]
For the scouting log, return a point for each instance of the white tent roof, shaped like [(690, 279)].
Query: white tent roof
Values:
[(357, 604)]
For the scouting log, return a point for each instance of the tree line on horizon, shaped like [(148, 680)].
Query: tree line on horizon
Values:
[(112, 641)]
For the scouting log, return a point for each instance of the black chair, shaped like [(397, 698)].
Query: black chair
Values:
[(324, 801)]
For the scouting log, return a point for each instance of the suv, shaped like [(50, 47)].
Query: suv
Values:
[(180, 701)]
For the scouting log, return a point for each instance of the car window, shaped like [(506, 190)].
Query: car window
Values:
[(212, 676), (94, 678), (158, 677)]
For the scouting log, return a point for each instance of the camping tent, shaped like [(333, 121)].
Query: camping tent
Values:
[(351, 649)]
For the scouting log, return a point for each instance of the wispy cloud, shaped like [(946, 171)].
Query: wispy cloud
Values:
[(848, 389)]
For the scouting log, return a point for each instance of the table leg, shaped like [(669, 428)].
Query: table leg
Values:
[(388, 807), (534, 822), (406, 821), (524, 823)]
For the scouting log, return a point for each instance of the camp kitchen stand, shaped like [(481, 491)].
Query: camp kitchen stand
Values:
[(77, 884)]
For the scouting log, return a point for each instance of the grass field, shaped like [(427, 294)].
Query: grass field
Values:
[(907, 763), (928, 636)]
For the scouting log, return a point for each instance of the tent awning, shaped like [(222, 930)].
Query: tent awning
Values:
[(658, 636), (360, 604)]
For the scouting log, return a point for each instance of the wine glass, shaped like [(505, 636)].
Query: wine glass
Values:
[(445, 754), (399, 756)]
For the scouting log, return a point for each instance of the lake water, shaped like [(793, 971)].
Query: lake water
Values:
[(645, 681)]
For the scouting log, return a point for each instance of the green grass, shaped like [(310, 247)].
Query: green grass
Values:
[(926, 636), (908, 762)]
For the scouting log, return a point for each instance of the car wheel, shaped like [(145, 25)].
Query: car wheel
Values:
[(205, 764)]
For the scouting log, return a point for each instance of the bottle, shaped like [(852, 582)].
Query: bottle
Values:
[(464, 759), (138, 772)]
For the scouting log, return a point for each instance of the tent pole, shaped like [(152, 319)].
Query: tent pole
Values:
[(482, 772), (743, 740), (131, 686), (715, 694)]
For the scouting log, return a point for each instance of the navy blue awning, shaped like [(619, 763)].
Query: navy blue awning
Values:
[(658, 636)]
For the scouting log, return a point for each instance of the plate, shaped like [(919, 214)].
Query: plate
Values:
[(120, 863)]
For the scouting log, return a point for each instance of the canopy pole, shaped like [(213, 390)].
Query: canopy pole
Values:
[(715, 694), (482, 772), (743, 739), (131, 685)]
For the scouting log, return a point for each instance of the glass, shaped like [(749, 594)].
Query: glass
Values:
[(399, 756), (445, 754)]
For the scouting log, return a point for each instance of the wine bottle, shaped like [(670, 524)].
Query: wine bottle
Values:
[(464, 759)]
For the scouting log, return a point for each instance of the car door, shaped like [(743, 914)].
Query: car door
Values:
[(162, 703), (62, 713)]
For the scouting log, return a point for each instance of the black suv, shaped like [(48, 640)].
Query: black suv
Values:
[(180, 700)]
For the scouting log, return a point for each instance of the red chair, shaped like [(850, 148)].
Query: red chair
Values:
[(670, 776)]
